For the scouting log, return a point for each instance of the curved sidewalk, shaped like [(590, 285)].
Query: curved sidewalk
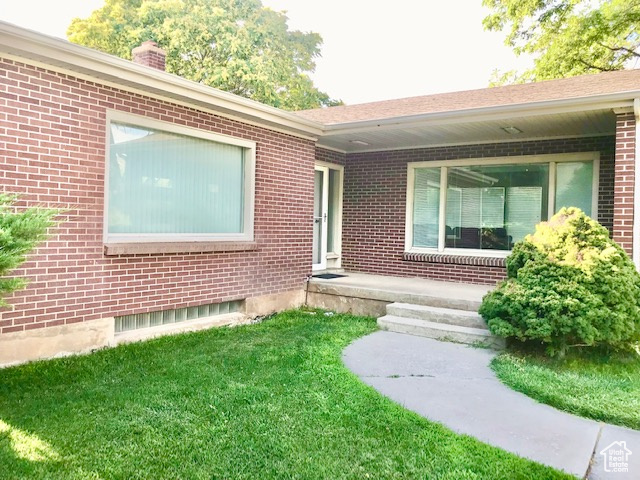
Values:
[(453, 384)]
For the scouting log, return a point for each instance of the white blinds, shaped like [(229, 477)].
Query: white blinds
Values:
[(475, 207), (470, 208), (454, 207), (492, 199), (163, 183), (426, 207), (524, 211)]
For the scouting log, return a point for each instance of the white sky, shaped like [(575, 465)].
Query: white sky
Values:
[(373, 49)]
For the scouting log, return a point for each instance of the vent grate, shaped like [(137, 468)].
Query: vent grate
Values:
[(153, 319)]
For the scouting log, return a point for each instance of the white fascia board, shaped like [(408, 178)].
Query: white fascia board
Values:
[(331, 149), (581, 104), (23, 43)]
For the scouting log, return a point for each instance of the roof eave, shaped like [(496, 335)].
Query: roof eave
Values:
[(23, 43), (622, 100)]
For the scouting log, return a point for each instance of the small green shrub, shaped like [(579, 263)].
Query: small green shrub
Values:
[(567, 285), (20, 232)]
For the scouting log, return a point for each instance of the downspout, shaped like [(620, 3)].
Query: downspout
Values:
[(636, 188)]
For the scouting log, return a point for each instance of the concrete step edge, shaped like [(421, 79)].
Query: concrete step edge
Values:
[(440, 331), (449, 316), (439, 326), (430, 308)]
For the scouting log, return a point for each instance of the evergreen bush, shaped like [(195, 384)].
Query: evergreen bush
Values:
[(20, 232), (568, 284)]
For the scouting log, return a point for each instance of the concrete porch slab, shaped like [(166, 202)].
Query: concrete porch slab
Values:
[(366, 294)]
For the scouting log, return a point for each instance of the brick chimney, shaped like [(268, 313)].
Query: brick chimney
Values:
[(149, 55)]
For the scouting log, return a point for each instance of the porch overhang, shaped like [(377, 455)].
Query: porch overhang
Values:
[(583, 117)]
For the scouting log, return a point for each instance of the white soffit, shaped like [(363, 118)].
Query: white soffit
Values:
[(392, 137)]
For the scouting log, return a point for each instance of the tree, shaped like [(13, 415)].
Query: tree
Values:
[(235, 45), (20, 232), (568, 37)]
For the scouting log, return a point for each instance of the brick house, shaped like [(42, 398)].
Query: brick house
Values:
[(439, 187)]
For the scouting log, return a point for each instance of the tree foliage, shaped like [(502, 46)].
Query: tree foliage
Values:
[(20, 232), (568, 37), (235, 45), (567, 285)]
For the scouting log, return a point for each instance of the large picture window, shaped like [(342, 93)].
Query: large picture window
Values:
[(167, 183), (485, 206)]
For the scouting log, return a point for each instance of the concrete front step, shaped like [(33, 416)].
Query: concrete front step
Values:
[(450, 316), (440, 331)]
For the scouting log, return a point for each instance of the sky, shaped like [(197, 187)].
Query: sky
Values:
[(373, 49)]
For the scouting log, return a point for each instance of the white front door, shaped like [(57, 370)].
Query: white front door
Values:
[(320, 208)]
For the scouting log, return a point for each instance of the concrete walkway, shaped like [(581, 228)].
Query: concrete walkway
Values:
[(453, 384)]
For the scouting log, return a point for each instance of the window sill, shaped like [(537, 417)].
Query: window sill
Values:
[(177, 247), (485, 261)]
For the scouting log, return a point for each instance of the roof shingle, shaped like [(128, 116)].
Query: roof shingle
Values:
[(565, 88)]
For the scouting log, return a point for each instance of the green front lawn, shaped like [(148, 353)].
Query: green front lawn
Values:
[(271, 400), (602, 387)]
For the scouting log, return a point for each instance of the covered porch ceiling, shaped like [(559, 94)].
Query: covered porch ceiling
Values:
[(405, 133)]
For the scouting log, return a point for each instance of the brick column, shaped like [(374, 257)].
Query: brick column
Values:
[(624, 180)]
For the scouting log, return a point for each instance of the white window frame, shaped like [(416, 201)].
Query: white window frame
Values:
[(246, 235), (550, 159)]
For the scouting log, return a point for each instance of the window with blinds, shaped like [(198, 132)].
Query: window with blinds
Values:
[(166, 186), (491, 207)]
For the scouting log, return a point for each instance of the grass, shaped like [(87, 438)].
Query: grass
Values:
[(593, 385), (271, 400)]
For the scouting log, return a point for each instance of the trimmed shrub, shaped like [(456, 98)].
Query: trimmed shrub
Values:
[(567, 285), (20, 232)]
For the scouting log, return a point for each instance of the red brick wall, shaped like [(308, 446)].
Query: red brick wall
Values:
[(625, 179), (52, 152), (330, 156), (375, 204)]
